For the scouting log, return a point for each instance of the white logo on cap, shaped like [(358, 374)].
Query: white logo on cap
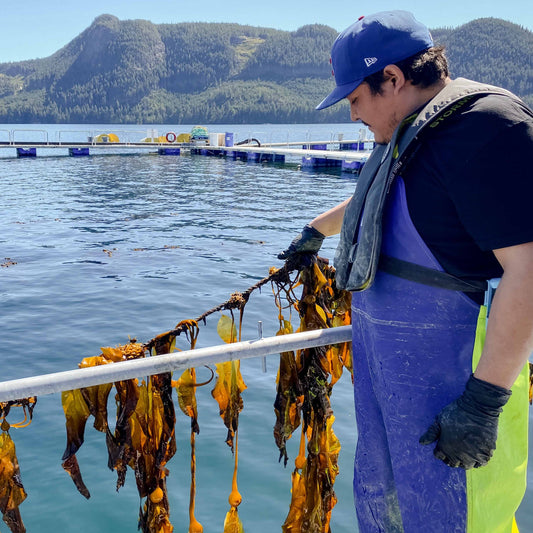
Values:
[(369, 61)]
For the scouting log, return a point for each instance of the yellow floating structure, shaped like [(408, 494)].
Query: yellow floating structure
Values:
[(106, 138), (160, 139)]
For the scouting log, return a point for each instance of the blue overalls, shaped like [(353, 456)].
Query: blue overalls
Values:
[(414, 348)]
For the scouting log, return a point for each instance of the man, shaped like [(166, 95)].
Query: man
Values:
[(430, 222)]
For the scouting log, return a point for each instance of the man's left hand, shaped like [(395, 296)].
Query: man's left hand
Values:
[(466, 429)]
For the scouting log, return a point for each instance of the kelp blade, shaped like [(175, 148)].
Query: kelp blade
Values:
[(12, 493), (317, 369), (226, 329), (186, 387), (288, 403), (229, 384), (76, 415), (232, 522), (227, 392), (294, 520), (72, 467)]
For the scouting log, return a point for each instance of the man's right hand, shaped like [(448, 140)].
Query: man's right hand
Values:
[(307, 243)]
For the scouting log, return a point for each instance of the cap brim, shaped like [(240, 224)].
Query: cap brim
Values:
[(340, 92)]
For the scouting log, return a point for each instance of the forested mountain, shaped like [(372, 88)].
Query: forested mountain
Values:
[(133, 71), (492, 51)]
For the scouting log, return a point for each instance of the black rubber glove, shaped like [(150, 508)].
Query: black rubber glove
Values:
[(306, 244), (466, 429)]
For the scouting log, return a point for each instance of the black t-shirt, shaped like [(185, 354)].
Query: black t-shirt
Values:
[(470, 186)]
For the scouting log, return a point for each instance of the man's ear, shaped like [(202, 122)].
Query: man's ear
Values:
[(395, 76)]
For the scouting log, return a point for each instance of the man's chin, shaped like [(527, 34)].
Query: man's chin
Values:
[(381, 140)]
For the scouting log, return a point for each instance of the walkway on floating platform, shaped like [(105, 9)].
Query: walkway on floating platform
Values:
[(349, 155), (311, 155)]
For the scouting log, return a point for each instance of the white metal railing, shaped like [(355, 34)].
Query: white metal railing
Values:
[(87, 134), (98, 375), (8, 134), (14, 137), (44, 133)]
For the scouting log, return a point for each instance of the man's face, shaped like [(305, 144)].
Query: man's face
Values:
[(379, 112)]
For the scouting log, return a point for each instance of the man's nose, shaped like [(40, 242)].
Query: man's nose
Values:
[(354, 117)]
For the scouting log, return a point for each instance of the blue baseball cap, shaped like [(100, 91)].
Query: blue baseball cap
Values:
[(369, 45)]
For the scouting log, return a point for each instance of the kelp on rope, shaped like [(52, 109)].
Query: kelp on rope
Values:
[(304, 386), (144, 436), (144, 439)]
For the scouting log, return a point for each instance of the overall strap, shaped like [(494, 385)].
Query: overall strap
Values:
[(428, 276)]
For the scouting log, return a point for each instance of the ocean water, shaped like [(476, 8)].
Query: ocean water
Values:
[(115, 246)]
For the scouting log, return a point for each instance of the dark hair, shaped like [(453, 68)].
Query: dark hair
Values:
[(424, 68)]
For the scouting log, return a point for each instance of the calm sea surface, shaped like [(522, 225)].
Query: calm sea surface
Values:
[(115, 246)]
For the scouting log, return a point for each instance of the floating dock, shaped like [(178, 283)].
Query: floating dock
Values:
[(311, 155), (348, 155)]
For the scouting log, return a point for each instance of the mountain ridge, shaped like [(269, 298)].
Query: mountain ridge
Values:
[(135, 71)]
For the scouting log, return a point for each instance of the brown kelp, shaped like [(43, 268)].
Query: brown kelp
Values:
[(12, 492), (143, 438), (227, 392), (305, 382), (144, 419), (140, 425), (186, 389)]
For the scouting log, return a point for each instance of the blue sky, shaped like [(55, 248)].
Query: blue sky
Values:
[(37, 28)]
